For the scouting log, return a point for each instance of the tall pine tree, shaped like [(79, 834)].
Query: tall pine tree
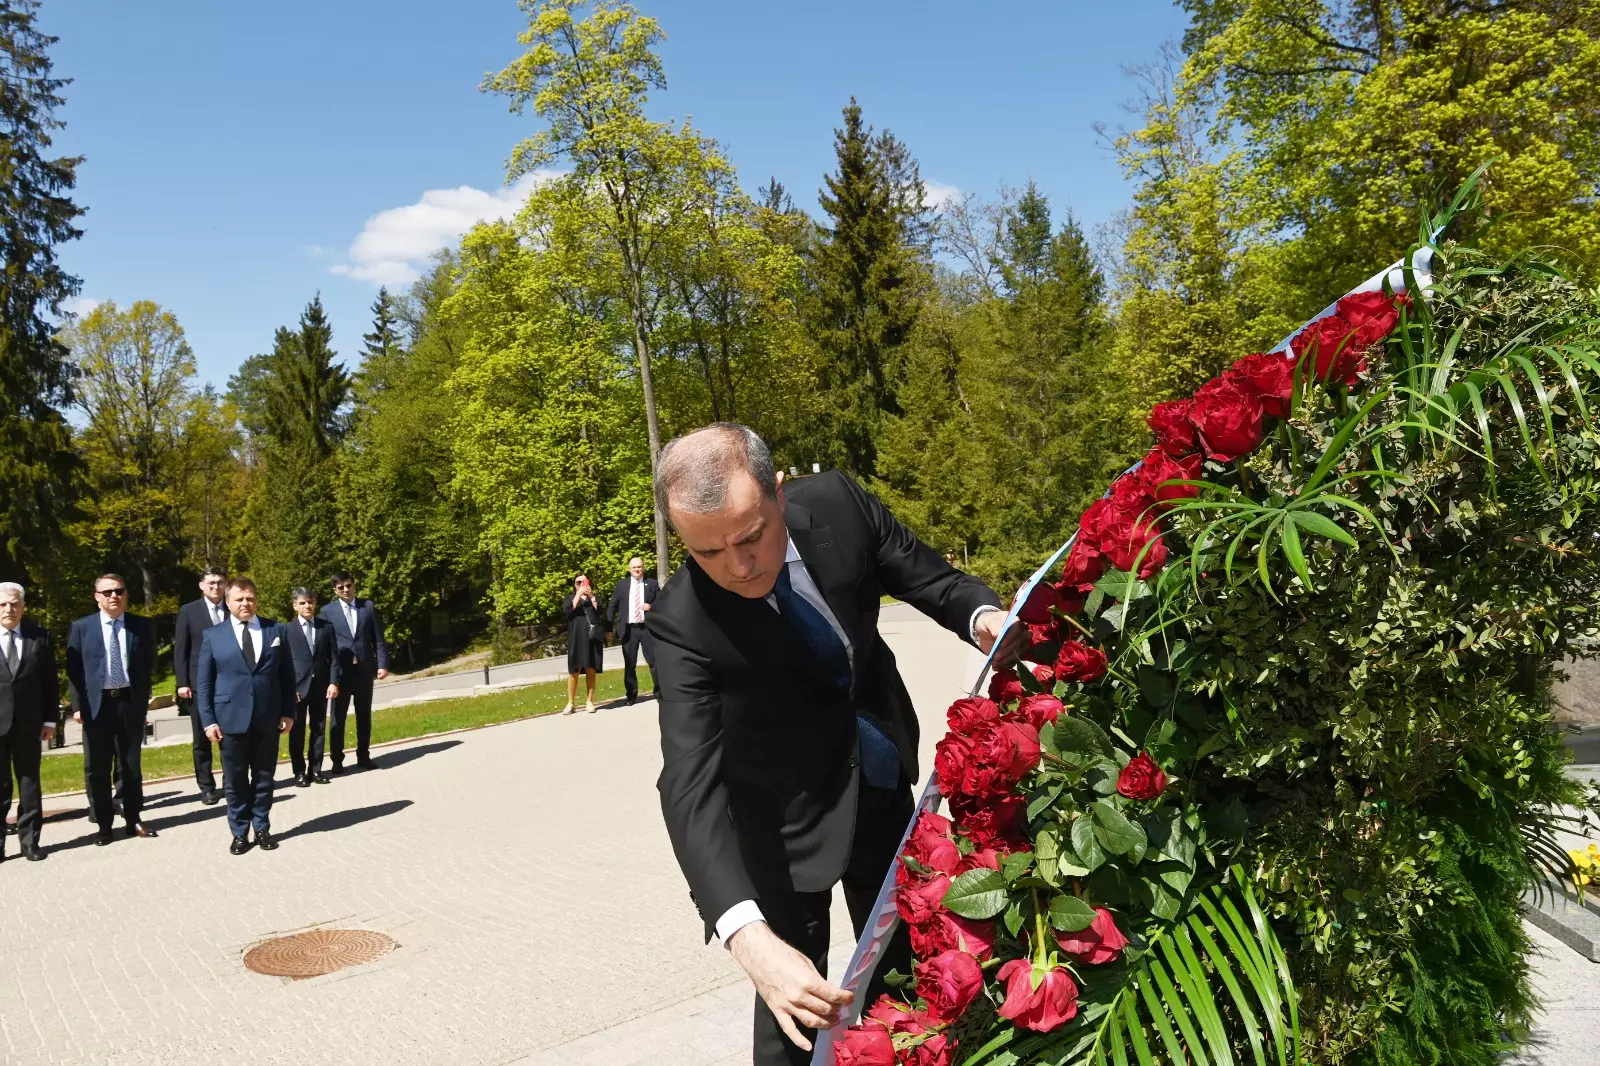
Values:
[(38, 470), (381, 348), (871, 276)]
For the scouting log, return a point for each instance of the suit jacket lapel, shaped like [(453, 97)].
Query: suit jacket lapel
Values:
[(821, 556)]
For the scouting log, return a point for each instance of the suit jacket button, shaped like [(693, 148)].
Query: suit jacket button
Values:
[(852, 762)]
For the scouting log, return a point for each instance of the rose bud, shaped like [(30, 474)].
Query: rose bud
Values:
[(1079, 662), (1045, 675), (895, 1015), (1170, 423), (949, 981), (1043, 1007), (1227, 419), (1004, 686), (934, 1051), (1040, 709), (1141, 779), (864, 1045), (1101, 942)]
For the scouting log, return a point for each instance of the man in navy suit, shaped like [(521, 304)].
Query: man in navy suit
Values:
[(362, 656), (316, 681), (194, 618), (245, 695), (110, 655), (29, 707)]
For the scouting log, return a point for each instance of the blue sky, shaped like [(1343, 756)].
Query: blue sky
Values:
[(242, 157)]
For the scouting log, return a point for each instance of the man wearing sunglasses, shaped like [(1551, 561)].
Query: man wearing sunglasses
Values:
[(363, 657), (109, 658)]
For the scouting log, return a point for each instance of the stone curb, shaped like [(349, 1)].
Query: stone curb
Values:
[(1570, 922)]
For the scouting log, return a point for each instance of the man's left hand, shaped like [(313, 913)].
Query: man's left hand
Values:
[(382, 673), (284, 724), (47, 731), (987, 631), (644, 606)]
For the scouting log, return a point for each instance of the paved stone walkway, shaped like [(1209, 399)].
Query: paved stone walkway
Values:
[(523, 869)]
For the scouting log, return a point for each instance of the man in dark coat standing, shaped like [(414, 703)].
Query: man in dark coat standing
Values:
[(110, 655), (194, 618), (245, 686), (363, 658), (630, 603), (316, 681), (789, 742), (30, 701)]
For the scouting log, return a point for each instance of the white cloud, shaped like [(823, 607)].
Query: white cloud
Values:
[(80, 305), (394, 244), (937, 195)]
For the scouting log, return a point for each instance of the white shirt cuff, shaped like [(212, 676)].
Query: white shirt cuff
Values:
[(972, 623), (736, 918)]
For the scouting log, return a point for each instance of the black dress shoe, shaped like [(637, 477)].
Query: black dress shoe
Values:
[(210, 796), (366, 764), (264, 839), (303, 780), (33, 852), (102, 838), (321, 779), (336, 769), (239, 846), (139, 829)]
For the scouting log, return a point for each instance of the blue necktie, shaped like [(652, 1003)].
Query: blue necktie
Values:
[(116, 677), (880, 762)]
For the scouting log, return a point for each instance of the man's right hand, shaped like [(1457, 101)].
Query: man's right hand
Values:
[(214, 733), (787, 982), (186, 693)]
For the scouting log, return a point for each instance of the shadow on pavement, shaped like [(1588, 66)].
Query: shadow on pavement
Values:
[(202, 814), (390, 759), (345, 819)]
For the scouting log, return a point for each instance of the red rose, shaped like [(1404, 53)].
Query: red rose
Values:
[(1141, 779), (968, 715), (1041, 599), (982, 859), (1045, 675), (934, 1051), (920, 902), (1132, 542), (1130, 498), (1338, 355), (931, 845), (1170, 423), (993, 821), (1084, 564), (1227, 420), (864, 1045), (1004, 686), (1101, 942), (949, 981), (1270, 375), (1079, 662), (1038, 635), (895, 1015), (958, 769), (1041, 1007), (1072, 598), (1010, 749), (947, 931), (1373, 314), (1159, 468), (1040, 709)]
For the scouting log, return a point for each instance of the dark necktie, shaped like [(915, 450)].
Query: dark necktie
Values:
[(13, 653), (880, 762), (116, 676), (249, 649)]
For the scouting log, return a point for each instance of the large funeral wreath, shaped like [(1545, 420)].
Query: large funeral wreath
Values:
[(1275, 766)]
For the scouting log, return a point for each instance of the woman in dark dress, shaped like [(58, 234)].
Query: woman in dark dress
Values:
[(586, 640)]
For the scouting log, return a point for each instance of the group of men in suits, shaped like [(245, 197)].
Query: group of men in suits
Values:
[(241, 678), (789, 741)]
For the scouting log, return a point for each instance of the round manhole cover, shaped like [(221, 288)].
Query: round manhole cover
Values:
[(317, 952)]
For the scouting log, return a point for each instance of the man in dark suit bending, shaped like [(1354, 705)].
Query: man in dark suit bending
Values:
[(245, 686), (316, 681), (788, 738), (110, 655), (631, 600), (363, 658), (194, 618), (29, 706)]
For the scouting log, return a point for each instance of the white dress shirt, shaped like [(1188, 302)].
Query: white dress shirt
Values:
[(635, 601), (255, 634), (107, 623), (746, 912)]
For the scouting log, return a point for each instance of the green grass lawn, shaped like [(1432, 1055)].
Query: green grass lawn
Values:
[(64, 773)]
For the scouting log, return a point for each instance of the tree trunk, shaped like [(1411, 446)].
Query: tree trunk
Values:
[(641, 347)]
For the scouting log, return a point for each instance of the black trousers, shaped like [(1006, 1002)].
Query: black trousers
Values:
[(305, 753), (116, 734), (19, 751), (204, 776), (354, 687), (801, 918), (248, 762), (637, 636)]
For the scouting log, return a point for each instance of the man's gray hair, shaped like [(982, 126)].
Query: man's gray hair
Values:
[(302, 593), (10, 590), (692, 471)]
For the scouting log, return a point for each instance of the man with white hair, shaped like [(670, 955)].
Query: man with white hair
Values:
[(789, 742), (30, 698)]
